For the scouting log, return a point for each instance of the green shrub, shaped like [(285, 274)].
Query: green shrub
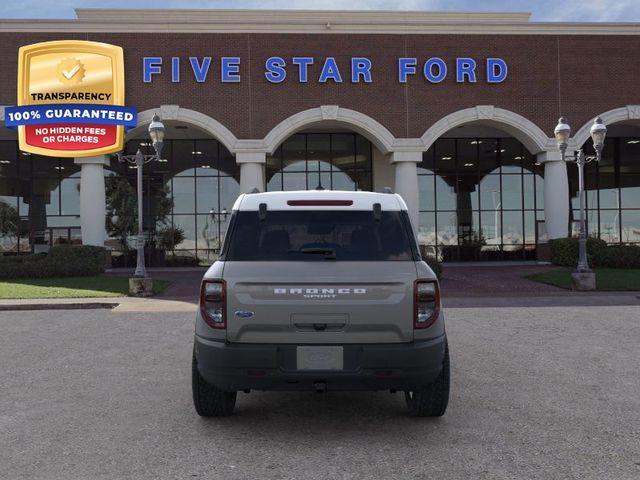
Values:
[(181, 261), (434, 264), (61, 261), (618, 256), (170, 237), (564, 252)]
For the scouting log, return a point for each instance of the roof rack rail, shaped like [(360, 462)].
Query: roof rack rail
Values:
[(387, 190), (254, 190)]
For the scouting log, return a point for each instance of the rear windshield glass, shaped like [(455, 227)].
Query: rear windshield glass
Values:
[(311, 235)]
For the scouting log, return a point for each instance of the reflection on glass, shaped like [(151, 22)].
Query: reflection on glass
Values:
[(70, 196), (630, 191), (631, 226), (229, 191), (340, 181), (539, 192), (610, 225), (294, 181), (338, 161), (445, 195), (208, 232), (447, 228), (490, 198), (206, 195), (491, 224), (512, 192), (528, 191), (188, 224), (529, 227), (183, 195), (512, 228), (275, 183), (426, 192), (427, 229)]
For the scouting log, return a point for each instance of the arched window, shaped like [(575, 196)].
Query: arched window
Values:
[(333, 161), (480, 198)]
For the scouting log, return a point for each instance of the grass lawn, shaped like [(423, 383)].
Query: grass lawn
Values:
[(607, 279), (71, 287)]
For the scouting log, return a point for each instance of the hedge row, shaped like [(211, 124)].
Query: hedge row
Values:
[(61, 261), (434, 264), (564, 252)]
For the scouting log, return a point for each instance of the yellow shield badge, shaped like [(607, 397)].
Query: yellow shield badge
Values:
[(71, 99)]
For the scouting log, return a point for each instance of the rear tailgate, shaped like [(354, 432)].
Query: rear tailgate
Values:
[(320, 302)]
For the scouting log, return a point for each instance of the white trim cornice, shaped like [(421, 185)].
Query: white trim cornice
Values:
[(377, 133), (622, 114), (200, 120), (531, 136)]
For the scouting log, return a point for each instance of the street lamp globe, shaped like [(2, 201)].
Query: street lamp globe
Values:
[(156, 132), (598, 132), (562, 133)]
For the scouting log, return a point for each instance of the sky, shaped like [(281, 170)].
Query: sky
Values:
[(542, 10)]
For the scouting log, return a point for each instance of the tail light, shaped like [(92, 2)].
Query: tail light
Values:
[(213, 303), (426, 303)]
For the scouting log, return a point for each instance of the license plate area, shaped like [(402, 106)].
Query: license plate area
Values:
[(319, 358)]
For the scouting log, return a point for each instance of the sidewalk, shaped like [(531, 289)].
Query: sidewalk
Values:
[(463, 286)]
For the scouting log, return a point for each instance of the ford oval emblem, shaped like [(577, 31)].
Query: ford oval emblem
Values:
[(244, 314)]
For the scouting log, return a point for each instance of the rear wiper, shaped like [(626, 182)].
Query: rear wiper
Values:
[(329, 253)]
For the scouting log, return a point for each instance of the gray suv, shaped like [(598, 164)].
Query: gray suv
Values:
[(320, 290)]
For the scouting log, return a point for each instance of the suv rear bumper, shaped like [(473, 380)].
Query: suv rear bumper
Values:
[(243, 366)]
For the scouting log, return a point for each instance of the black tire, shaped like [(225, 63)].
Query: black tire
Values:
[(208, 400), (431, 400)]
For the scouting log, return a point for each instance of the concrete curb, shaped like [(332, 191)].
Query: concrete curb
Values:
[(57, 306)]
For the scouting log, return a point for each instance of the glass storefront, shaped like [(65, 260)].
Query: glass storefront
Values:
[(333, 161), (193, 189), (39, 201), (612, 189), (480, 199)]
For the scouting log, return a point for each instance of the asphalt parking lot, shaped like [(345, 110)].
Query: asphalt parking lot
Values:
[(548, 392)]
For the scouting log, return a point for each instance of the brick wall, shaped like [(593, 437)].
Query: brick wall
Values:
[(578, 76)]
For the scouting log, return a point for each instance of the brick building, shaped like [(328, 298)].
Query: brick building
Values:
[(455, 111)]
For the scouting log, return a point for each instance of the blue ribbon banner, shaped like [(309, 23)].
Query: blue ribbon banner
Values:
[(70, 113)]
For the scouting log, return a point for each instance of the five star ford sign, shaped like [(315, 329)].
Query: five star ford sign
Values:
[(71, 99)]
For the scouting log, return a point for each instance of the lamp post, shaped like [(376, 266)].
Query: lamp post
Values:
[(583, 278), (156, 133)]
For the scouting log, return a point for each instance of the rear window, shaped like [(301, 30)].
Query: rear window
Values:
[(313, 235)]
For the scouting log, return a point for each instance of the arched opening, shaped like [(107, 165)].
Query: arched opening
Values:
[(328, 147), (612, 186), (188, 197), (331, 158), (481, 195)]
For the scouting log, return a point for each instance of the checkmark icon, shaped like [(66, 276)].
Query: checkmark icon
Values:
[(71, 73)]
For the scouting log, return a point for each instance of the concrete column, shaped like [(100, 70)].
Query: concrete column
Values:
[(556, 194), (406, 169), (93, 208), (251, 170)]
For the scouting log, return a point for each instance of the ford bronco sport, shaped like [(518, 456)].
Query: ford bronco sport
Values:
[(320, 290)]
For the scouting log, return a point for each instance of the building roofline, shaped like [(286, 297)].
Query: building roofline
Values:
[(310, 21), (284, 15)]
